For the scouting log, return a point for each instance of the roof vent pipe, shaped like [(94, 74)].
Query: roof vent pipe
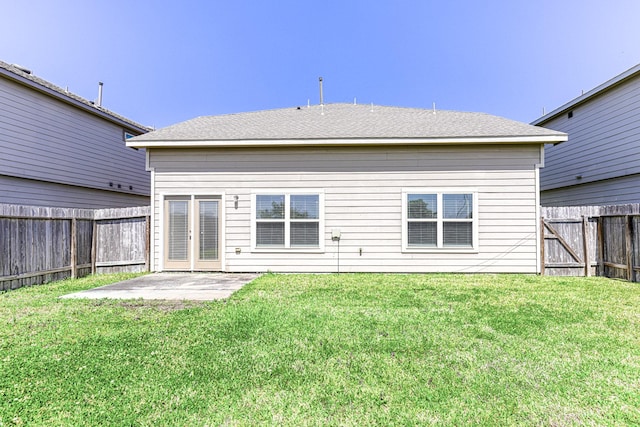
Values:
[(100, 94), (21, 68), (321, 97)]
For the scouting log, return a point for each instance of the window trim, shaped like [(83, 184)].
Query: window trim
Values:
[(440, 220), (287, 248)]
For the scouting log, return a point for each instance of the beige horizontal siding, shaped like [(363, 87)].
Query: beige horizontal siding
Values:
[(202, 160), (365, 203)]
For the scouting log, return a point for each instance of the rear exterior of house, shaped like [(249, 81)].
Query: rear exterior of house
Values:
[(600, 163), (61, 150), (343, 188)]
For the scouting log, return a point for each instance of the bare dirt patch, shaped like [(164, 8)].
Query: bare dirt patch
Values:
[(160, 305)]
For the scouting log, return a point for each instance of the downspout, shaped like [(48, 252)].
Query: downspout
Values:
[(538, 228), (152, 242)]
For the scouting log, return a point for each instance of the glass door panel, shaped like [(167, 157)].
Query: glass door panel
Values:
[(177, 246), (208, 234), (208, 247)]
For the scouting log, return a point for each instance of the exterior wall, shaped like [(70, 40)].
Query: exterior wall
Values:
[(40, 193), (604, 143), (617, 191), (42, 138), (363, 198)]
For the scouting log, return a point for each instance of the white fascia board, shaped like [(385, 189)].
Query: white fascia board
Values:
[(544, 139)]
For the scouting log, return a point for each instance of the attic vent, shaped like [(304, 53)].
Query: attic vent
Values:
[(570, 114)]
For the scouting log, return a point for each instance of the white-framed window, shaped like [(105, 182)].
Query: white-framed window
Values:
[(439, 220), (285, 220)]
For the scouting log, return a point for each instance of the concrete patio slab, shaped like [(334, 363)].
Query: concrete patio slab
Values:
[(172, 286)]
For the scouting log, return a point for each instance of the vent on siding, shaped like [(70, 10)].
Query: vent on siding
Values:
[(570, 114)]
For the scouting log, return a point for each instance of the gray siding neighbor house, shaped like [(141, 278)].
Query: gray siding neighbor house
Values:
[(58, 149), (349, 188), (600, 163)]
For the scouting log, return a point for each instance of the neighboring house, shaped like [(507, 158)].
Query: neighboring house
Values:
[(600, 164), (404, 190), (58, 149)]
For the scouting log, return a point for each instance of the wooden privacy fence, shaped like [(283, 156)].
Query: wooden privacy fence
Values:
[(591, 240), (39, 244)]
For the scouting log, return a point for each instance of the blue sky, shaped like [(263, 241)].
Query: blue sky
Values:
[(164, 62)]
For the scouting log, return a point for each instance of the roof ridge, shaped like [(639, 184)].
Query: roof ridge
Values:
[(330, 104)]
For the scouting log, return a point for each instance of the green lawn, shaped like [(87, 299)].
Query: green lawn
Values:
[(345, 349)]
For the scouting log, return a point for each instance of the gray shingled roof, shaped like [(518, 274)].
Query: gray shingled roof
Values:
[(343, 121), (26, 77)]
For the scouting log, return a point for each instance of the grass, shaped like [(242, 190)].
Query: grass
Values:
[(360, 349)]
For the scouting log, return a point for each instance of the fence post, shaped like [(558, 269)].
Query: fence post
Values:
[(601, 246), (94, 240), (628, 246), (633, 225), (74, 251), (542, 232), (585, 240)]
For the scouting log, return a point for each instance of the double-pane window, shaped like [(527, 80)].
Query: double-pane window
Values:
[(287, 220), (270, 220), (439, 220), (423, 219), (304, 214), (457, 220)]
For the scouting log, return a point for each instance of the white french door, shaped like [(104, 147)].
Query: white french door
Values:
[(192, 233)]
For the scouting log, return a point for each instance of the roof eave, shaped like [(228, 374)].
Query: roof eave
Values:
[(609, 84), (529, 139), (92, 109)]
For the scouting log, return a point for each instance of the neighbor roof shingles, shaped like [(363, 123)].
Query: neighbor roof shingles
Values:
[(344, 121)]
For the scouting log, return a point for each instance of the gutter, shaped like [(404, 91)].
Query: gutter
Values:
[(537, 139)]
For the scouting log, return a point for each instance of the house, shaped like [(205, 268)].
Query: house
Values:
[(350, 188), (58, 149), (600, 163)]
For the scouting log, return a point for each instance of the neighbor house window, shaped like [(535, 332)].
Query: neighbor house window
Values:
[(287, 220), (439, 220)]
